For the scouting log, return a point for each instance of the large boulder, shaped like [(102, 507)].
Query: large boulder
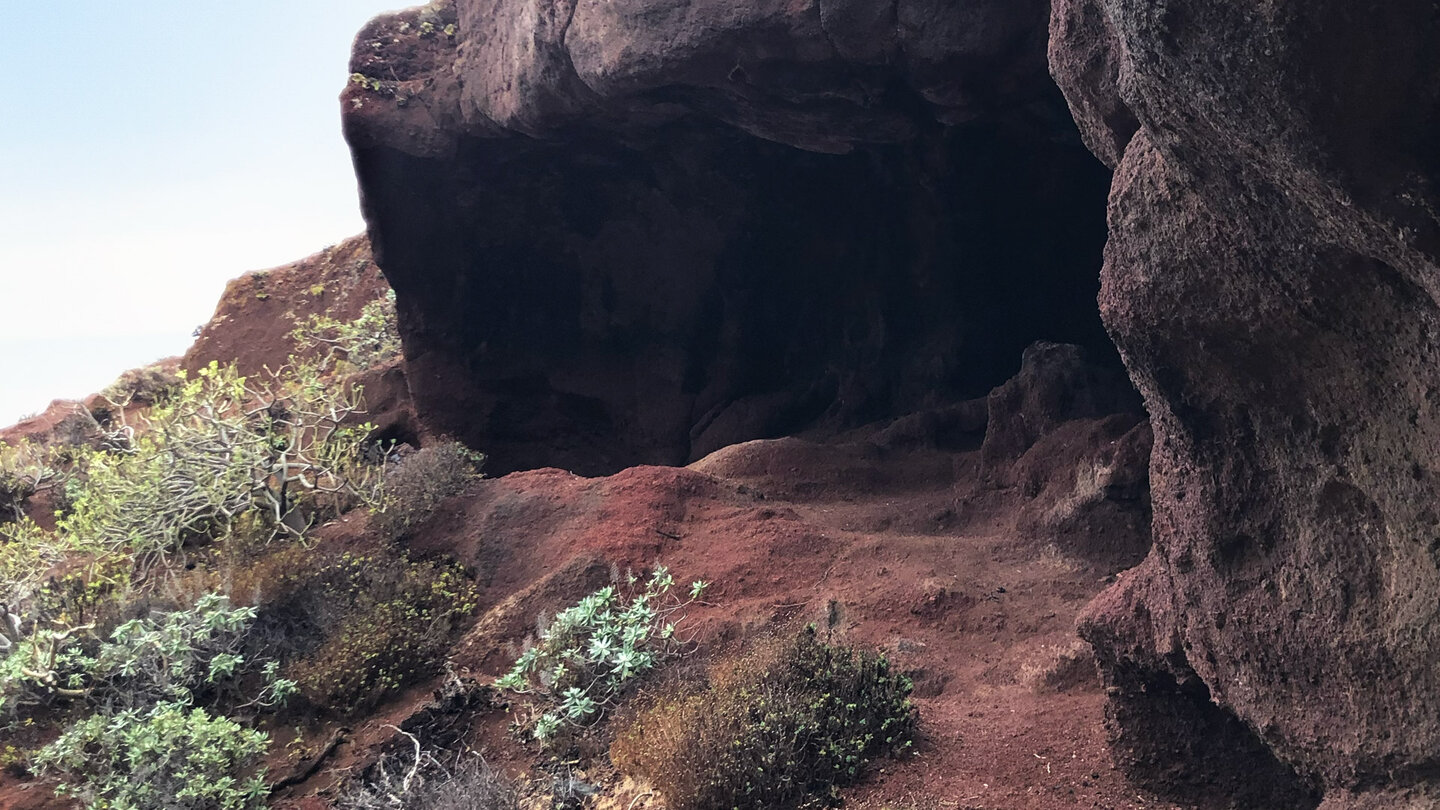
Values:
[(637, 231), (1272, 280)]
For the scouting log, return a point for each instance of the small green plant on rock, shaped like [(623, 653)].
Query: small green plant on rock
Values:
[(368, 82), (169, 756), (591, 652)]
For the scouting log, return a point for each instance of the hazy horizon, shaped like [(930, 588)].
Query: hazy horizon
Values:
[(158, 151)]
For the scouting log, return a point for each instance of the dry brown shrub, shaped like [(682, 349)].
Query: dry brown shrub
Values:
[(784, 726), (355, 627), (417, 484)]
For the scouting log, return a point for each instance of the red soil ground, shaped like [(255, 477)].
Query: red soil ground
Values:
[(922, 558)]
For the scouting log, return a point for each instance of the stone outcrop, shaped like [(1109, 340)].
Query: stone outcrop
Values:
[(636, 232), (1271, 279), (1071, 436)]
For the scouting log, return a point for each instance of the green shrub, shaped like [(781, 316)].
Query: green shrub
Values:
[(223, 449), (168, 756), (356, 627), (371, 339), (145, 744), (588, 655), (164, 658), (27, 553), (25, 469), (780, 728), (416, 485)]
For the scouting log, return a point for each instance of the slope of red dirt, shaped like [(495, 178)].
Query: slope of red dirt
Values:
[(918, 555)]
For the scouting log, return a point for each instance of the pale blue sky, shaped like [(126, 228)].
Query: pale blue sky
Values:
[(150, 150)]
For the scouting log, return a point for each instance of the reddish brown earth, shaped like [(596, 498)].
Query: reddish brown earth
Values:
[(927, 534), (256, 313), (255, 316), (922, 556), (920, 548)]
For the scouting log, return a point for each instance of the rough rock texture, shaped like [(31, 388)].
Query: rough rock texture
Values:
[(1072, 438), (1272, 279), (62, 422), (1057, 383), (636, 232)]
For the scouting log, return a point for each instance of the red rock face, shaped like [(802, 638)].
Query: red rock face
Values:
[(636, 232), (1271, 280)]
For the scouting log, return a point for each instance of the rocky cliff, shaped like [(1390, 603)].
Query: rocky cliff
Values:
[(635, 231), (1271, 279)]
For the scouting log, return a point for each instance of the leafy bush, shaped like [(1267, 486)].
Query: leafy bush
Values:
[(27, 553), (416, 485), (369, 340), (145, 744), (356, 627), (142, 386), (25, 469), (590, 652), (781, 727), (223, 449), (169, 756), (164, 658)]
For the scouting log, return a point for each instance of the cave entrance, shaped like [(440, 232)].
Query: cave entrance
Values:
[(594, 301)]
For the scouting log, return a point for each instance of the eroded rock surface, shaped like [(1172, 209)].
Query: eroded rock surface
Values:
[(636, 232), (1272, 279)]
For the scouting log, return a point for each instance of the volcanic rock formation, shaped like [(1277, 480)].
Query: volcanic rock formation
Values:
[(636, 232), (1271, 279)]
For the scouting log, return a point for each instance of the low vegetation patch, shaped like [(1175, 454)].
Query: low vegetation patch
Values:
[(149, 699), (143, 386), (415, 486), (585, 659), (118, 640), (371, 339), (169, 756), (784, 727), (355, 627)]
